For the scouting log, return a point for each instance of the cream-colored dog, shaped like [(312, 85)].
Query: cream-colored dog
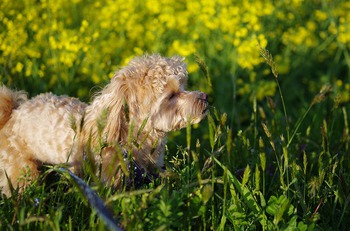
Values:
[(143, 101)]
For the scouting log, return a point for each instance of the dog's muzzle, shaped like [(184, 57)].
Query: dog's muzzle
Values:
[(203, 96), (204, 99)]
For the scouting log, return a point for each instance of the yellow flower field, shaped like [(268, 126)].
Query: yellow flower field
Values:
[(68, 46)]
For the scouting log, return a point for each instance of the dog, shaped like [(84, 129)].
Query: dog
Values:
[(126, 124)]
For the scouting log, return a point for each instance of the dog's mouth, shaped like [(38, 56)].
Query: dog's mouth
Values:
[(204, 101), (206, 109)]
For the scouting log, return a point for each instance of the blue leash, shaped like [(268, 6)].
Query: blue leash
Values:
[(95, 201)]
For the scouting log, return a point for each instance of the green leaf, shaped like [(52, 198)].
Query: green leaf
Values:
[(211, 131), (277, 207), (247, 196), (257, 178), (246, 176), (207, 192)]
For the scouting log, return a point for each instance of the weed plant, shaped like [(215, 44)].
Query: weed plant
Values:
[(274, 175)]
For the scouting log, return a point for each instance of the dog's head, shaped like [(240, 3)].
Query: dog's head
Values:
[(154, 90), (149, 97), (149, 93)]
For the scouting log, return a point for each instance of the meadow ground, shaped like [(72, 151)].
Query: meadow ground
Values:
[(273, 154)]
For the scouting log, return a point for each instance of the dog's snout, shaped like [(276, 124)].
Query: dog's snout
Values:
[(203, 96)]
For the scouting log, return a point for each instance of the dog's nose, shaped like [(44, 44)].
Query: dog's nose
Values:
[(203, 96)]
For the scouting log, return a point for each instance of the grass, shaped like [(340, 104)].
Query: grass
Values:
[(275, 174)]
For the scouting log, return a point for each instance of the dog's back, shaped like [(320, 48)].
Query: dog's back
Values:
[(45, 126), (32, 132)]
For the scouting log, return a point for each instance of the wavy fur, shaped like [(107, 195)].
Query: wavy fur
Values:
[(135, 111)]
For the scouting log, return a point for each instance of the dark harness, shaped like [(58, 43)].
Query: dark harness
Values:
[(138, 175)]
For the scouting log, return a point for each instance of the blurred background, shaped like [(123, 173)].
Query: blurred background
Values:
[(74, 47)]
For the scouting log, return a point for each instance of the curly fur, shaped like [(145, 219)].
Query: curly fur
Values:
[(143, 102)]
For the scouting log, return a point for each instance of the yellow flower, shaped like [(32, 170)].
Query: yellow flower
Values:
[(19, 67), (192, 67), (347, 86), (95, 78), (320, 15), (29, 66), (52, 42), (183, 49), (84, 25), (138, 51), (339, 83)]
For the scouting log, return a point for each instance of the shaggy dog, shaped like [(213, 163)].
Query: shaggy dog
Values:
[(127, 122)]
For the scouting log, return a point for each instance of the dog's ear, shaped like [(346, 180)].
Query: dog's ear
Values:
[(107, 115), (117, 108)]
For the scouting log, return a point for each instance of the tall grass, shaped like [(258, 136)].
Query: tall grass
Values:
[(269, 176)]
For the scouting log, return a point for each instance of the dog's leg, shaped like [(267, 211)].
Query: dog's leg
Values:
[(16, 170), (111, 168)]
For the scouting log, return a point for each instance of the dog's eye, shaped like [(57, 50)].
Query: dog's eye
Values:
[(172, 95)]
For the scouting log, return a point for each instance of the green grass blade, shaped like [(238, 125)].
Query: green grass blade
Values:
[(243, 191)]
